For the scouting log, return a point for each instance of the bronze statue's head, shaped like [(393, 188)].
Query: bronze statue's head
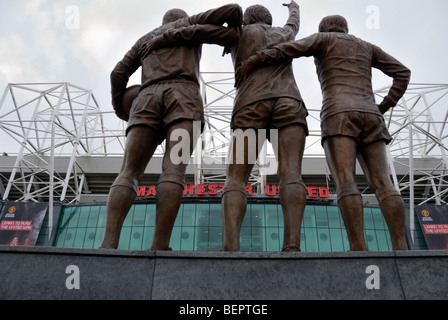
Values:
[(334, 23), (257, 14), (173, 15)]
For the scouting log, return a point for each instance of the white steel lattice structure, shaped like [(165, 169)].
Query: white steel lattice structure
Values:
[(419, 128), (49, 120)]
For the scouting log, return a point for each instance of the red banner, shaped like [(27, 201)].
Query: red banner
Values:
[(435, 228), (17, 225)]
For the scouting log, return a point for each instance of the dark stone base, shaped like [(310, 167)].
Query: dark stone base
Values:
[(41, 273)]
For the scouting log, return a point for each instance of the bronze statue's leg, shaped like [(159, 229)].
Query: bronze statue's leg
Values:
[(340, 152), (292, 188), (373, 160), (234, 199), (171, 182), (140, 146)]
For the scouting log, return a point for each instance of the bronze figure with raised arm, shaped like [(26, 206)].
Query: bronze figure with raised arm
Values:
[(268, 101), (352, 123)]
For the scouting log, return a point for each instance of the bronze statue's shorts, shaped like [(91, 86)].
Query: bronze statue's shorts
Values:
[(365, 127), (271, 114), (161, 104)]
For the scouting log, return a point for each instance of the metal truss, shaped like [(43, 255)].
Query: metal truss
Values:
[(49, 120), (418, 125)]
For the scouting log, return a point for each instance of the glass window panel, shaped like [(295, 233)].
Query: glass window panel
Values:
[(175, 238), (129, 217), (321, 216), (201, 238), (215, 215), (383, 238), (98, 237), (189, 215), (148, 234), (257, 239), (60, 238), (310, 241), (280, 218), (93, 216), (337, 241), (345, 240), (89, 239), (83, 217), (125, 237), (178, 221), (203, 214), (215, 238), (324, 240), (281, 233), (257, 215), (102, 216), (247, 218), (69, 238), (79, 238), (368, 219), (389, 240), (371, 241), (378, 219), (139, 215), (73, 218), (65, 216), (245, 239), (309, 219), (136, 238), (150, 218), (273, 239), (334, 217), (187, 239), (271, 216)]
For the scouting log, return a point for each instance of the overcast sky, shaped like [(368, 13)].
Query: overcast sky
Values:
[(80, 41)]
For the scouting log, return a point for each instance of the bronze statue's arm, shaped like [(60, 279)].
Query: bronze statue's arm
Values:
[(305, 47), (400, 74), (293, 22), (232, 14), (192, 35), (119, 79)]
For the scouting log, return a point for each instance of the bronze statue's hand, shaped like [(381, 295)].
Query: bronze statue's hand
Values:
[(150, 46), (289, 4), (236, 20), (243, 72), (383, 108)]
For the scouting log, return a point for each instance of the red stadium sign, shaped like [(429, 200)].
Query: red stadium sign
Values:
[(214, 188)]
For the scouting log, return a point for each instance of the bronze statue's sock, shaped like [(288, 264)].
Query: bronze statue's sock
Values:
[(168, 200), (234, 203), (394, 213), (293, 200), (353, 215)]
